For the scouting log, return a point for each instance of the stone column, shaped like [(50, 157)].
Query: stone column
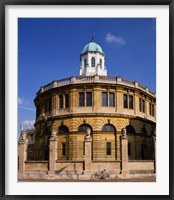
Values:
[(73, 100), (97, 98), (88, 141), (22, 151), (124, 153), (53, 153)]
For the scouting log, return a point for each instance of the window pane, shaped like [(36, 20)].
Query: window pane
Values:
[(63, 129), (48, 105), (45, 106), (66, 100), (108, 148), (108, 128), (93, 62), (101, 62), (111, 99), (129, 149), (89, 99), (60, 101), (152, 110), (143, 105), (140, 104), (83, 148), (37, 110), (125, 101), (104, 99), (130, 102), (63, 149), (81, 99), (85, 62)]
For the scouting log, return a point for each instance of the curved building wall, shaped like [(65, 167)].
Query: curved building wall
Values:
[(95, 102)]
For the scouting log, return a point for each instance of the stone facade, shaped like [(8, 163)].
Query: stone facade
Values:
[(63, 117)]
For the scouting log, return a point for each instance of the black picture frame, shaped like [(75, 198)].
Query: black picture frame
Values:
[(3, 3)]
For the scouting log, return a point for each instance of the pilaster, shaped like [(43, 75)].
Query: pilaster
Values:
[(22, 151), (88, 141), (124, 153), (53, 153)]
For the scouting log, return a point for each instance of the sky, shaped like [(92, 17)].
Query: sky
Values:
[(49, 49)]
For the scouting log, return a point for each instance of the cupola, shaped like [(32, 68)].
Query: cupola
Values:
[(92, 60)]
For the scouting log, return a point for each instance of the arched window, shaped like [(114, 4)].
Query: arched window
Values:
[(108, 128), (83, 127), (143, 131), (92, 62), (100, 62), (85, 62), (63, 129), (130, 129)]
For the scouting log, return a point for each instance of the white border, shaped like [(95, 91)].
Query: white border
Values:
[(161, 187)]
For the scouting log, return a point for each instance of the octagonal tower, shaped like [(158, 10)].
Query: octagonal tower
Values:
[(92, 60)]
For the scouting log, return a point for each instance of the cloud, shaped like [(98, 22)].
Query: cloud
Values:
[(26, 108), (22, 100), (114, 39)]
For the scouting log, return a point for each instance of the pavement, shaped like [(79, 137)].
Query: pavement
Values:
[(132, 179)]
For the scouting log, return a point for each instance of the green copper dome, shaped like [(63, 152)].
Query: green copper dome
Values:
[(92, 47)]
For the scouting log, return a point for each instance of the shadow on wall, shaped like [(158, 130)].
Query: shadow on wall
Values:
[(60, 170)]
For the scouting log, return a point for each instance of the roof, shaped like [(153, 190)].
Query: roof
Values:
[(92, 47)]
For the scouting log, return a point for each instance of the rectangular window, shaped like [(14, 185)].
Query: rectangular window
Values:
[(81, 99), (104, 99), (142, 105), (60, 101), (129, 149), (111, 100), (125, 101), (89, 99), (108, 148), (48, 105), (63, 149), (37, 111), (83, 148), (66, 100), (151, 109), (130, 102)]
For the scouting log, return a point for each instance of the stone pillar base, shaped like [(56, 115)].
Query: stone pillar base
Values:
[(51, 172), (124, 173), (87, 163)]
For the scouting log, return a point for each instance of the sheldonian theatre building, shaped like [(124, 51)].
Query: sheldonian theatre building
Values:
[(90, 127)]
